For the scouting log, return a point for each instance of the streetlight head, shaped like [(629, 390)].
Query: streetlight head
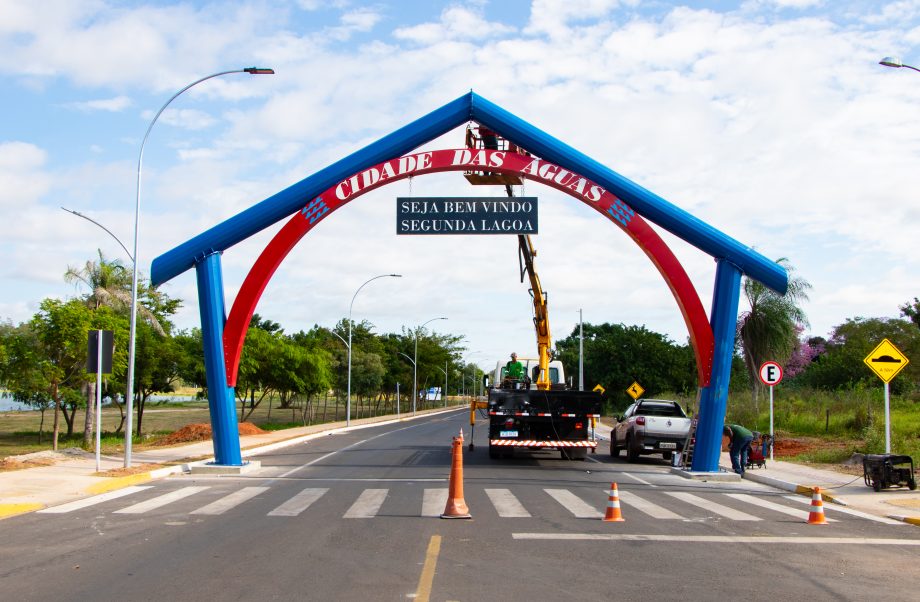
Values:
[(891, 61), (259, 71), (395, 275)]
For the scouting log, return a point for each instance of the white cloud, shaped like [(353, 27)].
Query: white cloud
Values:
[(115, 104), (456, 23), (22, 179)]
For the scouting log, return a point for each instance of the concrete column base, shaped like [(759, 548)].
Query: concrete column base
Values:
[(211, 468), (722, 477)]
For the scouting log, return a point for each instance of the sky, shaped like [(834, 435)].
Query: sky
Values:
[(770, 120)]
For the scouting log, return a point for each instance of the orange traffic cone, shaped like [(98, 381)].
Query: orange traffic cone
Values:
[(816, 516), (613, 514), (456, 506)]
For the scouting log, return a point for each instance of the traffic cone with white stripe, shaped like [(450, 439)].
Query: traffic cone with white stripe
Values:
[(816, 516), (613, 514), (456, 506)]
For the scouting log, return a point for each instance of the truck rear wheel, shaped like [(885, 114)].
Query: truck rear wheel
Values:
[(494, 453), (632, 449)]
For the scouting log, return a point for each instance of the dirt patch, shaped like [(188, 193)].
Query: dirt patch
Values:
[(12, 463), (126, 472), (202, 432)]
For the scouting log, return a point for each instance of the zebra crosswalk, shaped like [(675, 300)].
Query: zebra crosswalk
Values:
[(530, 503)]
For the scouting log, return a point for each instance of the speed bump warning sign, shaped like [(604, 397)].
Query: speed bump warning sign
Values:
[(886, 360)]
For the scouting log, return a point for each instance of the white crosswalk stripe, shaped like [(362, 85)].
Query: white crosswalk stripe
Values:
[(434, 501), (160, 501), (300, 502), (654, 510), (751, 499), (850, 511), (230, 501), (368, 504), (711, 506), (92, 501), (506, 504), (574, 504)]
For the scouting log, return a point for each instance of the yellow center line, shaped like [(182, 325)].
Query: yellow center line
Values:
[(423, 592)]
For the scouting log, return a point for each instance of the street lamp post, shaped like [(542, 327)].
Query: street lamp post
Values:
[(137, 209), (581, 353), (350, 307), (893, 61), (89, 219), (444, 392), (415, 365)]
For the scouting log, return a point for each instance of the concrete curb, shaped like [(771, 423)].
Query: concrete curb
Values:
[(793, 487), (912, 520), (8, 510)]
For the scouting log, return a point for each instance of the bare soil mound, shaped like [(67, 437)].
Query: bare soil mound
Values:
[(202, 432)]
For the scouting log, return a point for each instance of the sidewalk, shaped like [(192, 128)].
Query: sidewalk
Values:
[(836, 487), (898, 503), (73, 474)]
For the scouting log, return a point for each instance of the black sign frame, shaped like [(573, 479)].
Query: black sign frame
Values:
[(466, 215)]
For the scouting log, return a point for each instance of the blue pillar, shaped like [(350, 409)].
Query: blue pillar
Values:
[(221, 398), (714, 399)]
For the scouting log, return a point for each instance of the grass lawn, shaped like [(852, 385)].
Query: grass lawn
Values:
[(19, 430)]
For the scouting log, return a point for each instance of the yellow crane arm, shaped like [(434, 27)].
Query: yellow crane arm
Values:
[(540, 309)]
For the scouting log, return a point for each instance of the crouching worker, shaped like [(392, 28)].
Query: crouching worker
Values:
[(740, 445)]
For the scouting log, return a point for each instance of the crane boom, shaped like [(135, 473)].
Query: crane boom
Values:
[(540, 309)]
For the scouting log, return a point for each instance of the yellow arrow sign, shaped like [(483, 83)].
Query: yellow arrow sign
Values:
[(635, 390), (599, 389), (886, 360)]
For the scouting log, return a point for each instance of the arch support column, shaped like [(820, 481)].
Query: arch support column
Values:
[(221, 398), (714, 398)]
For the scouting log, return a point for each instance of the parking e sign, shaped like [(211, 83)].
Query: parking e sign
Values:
[(771, 373)]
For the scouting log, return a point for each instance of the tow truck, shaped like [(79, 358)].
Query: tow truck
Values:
[(538, 412)]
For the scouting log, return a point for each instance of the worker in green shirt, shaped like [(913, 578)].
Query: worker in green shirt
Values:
[(740, 439), (514, 369)]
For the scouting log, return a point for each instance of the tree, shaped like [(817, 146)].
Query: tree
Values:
[(767, 330), (109, 284), (23, 369), (912, 311), (60, 334), (616, 355), (841, 365)]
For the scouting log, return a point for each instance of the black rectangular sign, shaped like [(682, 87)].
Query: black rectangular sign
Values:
[(92, 352), (466, 215)]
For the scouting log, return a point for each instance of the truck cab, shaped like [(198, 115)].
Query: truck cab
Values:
[(531, 369)]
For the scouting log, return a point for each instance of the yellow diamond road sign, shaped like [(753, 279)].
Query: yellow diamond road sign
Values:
[(635, 390), (886, 360)]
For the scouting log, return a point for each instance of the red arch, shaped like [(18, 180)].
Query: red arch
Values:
[(469, 160)]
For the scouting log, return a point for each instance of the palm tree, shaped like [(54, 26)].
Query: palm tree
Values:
[(767, 331), (109, 283)]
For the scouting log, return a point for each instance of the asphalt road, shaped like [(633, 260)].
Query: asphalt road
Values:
[(354, 516)]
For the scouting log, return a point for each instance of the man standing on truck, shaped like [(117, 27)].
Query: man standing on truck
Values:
[(514, 369), (740, 439)]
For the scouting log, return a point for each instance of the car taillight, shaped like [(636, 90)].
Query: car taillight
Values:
[(579, 426), (640, 419)]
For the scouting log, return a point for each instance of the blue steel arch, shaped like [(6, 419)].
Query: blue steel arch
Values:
[(734, 259)]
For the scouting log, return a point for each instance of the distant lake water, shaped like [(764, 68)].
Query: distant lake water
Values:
[(7, 404)]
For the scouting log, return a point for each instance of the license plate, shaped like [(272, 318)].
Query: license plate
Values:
[(507, 433), (667, 445)]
